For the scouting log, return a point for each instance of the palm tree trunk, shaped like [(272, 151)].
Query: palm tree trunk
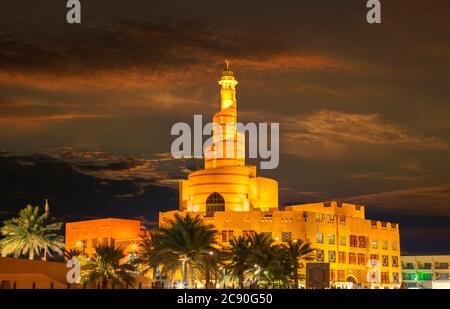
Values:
[(104, 283), (207, 278), (241, 281), (295, 275)]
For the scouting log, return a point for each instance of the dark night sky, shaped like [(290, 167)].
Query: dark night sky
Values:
[(86, 110)]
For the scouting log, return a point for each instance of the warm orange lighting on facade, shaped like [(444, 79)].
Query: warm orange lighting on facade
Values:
[(229, 195)]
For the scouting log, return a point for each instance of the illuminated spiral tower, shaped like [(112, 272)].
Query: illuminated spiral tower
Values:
[(226, 183)]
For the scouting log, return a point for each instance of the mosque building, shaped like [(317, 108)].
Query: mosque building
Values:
[(228, 194)]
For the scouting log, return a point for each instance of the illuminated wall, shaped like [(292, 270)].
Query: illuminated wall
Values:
[(86, 235)]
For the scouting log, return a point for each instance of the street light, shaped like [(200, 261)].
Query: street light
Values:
[(183, 258)]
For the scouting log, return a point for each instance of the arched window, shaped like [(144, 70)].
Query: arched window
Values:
[(214, 202)]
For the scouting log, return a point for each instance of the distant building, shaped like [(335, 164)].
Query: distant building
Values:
[(122, 233), (229, 194), (32, 274), (426, 271)]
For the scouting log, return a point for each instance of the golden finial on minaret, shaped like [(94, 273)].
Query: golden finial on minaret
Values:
[(227, 62), (46, 207)]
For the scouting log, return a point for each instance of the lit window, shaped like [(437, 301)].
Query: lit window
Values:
[(361, 259), (385, 260), (384, 245), (319, 255), (341, 275), (331, 239), (214, 202), (395, 261), (224, 236), (94, 242), (230, 235), (319, 238), (332, 275), (362, 241), (342, 241), (353, 241), (331, 256), (374, 244), (341, 257), (319, 216), (384, 277), (394, 245), (352, 258)]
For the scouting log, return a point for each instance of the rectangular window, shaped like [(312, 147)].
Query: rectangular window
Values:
[(105, 241), (374, 257), (362, 241), (341, 257), (361, 259), (384, 245), (330, 218), (331, 239), (342, 241), (245, 233), (374, 244), (94, 242), (224, 236), (230, 235), (332, 275), (319, 238), (341, 275), (319, 216), (352, 258), (384, 277), (353, 241), (394, 245)]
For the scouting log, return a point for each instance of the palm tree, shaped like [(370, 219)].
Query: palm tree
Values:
[(31, 234), (149, 253), (240, 252), (262, 256), (106, 268), (72, 253), (187, 243), (279, 270), (298, 251)]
